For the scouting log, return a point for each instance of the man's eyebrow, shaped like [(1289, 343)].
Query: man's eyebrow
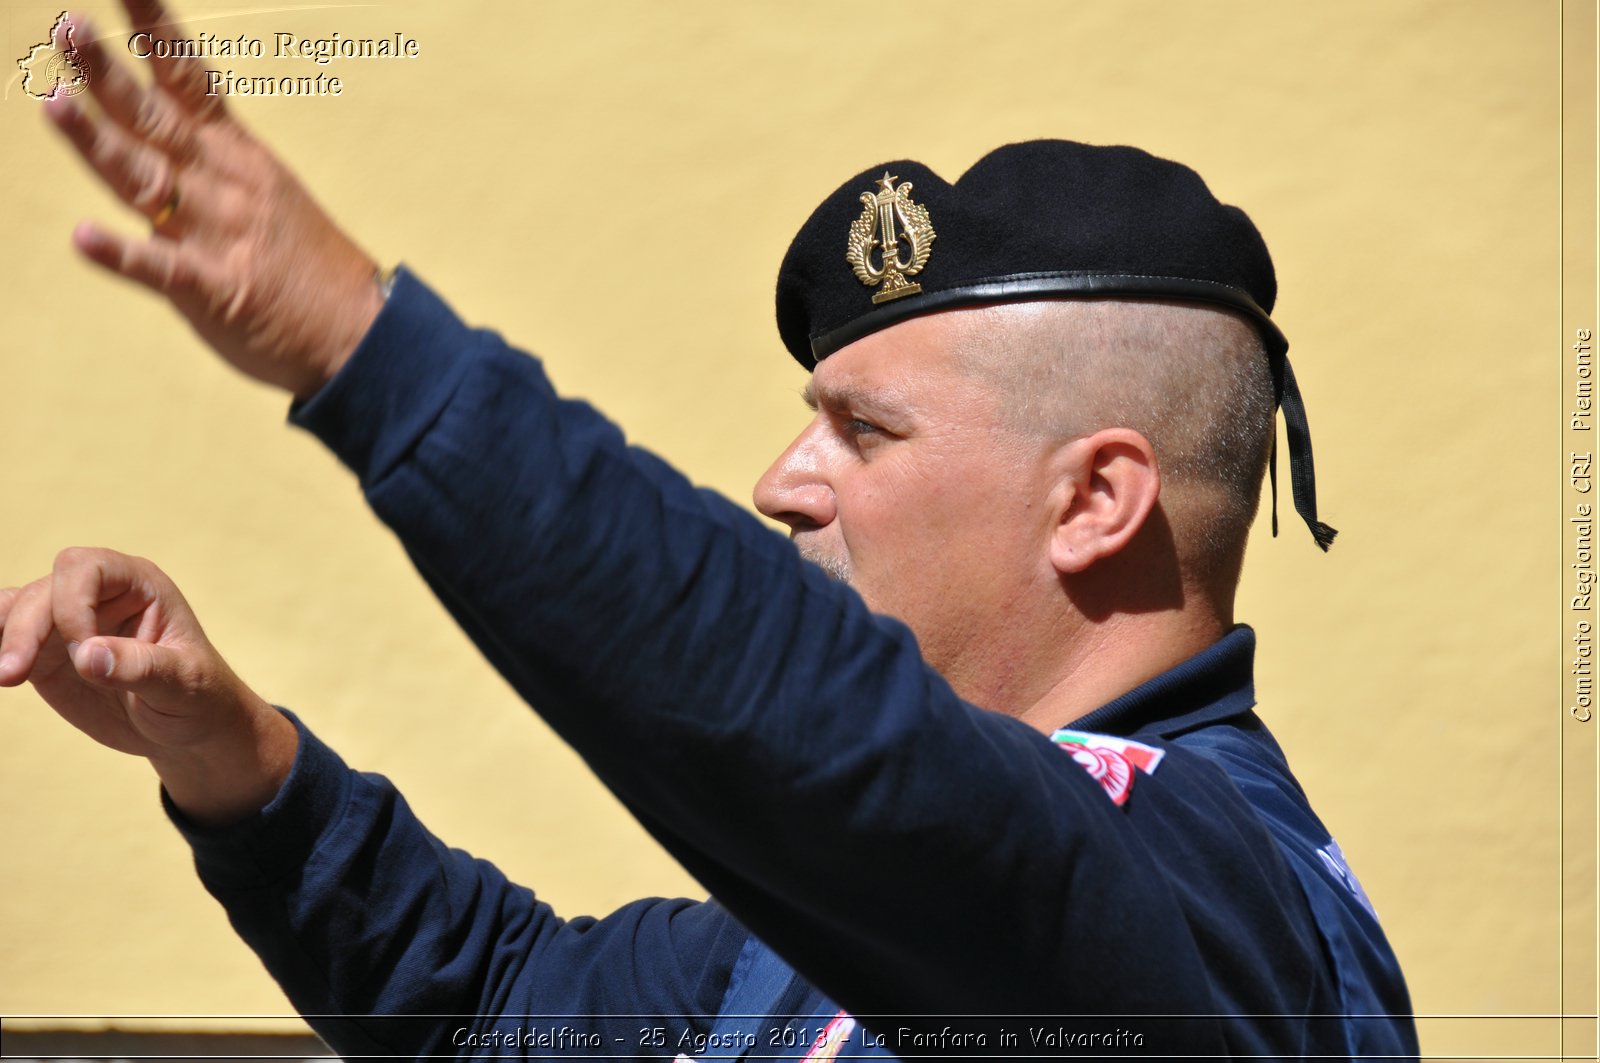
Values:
[(845, 395)]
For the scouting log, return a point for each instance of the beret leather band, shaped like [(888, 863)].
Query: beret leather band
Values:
[(1022, 287)]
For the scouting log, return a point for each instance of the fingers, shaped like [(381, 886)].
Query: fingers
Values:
[(26, 626), (141, 177), (137, 153), (152, 671), (150, 117), (156, 262), (94, 591), (117, 91), (89, 593), (184, 78)]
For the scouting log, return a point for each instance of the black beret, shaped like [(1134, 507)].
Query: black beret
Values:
[(1038, 220), (1042, 219)]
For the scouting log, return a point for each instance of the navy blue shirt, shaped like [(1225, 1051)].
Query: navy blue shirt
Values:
[(915, 858)]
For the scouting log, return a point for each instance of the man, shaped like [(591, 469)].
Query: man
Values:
[(1044, 400)]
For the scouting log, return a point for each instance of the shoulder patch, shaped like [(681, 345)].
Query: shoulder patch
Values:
[(1109, 760)]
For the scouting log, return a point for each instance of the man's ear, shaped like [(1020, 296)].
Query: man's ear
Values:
[(1107, 485)]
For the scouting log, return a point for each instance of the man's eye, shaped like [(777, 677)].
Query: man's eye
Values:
[(856, 427)]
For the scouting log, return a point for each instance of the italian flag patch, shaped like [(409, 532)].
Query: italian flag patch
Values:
[(1109, 760)]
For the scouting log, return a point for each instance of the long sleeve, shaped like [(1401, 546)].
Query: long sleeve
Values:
[(909, 853), (394, 945)]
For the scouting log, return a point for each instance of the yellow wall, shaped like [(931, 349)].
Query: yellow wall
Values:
[(612, 184)]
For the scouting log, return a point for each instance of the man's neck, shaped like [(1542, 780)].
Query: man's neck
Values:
[(1107, 659)]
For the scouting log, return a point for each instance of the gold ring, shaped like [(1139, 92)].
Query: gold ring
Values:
[(168, 209)]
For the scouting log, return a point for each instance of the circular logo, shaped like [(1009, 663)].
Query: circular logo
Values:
[(67, 73)]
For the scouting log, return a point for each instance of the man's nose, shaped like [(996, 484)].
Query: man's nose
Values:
[(795, 489)]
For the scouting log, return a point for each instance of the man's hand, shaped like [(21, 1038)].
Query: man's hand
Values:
[(237, 244), (111, 645)]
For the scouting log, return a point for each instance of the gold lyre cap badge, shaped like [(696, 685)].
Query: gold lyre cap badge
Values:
[(888, 217)]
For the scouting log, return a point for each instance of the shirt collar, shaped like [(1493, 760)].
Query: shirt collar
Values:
[(1214, 684)]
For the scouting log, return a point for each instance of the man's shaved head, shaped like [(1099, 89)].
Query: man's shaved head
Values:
[(1191, 379)]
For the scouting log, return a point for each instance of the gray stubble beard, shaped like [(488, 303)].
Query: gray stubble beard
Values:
[(838, 568)]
